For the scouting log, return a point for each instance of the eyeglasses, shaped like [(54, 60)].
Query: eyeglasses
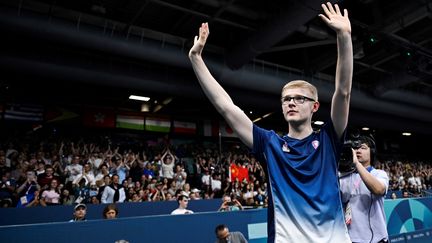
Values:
[(297, 99)]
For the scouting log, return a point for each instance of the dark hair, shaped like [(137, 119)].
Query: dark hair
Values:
[(220, 227), (108, 208), (181, 197), (370, 142)]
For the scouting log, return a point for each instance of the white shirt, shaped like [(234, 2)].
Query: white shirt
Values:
[(366, 208), (181, 211)]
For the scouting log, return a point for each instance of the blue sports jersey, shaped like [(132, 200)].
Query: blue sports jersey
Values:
[(304, 199)]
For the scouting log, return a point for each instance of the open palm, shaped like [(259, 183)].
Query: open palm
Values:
[(334, 18), (199, 41)]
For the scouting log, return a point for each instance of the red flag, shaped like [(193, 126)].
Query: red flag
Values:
[(239, 172), (99, 118)]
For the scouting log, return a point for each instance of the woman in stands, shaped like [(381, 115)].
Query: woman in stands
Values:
[(51, 196)]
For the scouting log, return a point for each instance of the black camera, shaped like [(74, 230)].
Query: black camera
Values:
[(346, 164)]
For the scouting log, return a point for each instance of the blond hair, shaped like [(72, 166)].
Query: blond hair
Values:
[(304, 85)]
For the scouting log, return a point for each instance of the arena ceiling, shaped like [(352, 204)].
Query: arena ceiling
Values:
[(97, 52)]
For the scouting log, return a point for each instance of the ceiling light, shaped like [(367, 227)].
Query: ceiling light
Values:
[(258, 119), (365, 128), (137, 97), (145, 108), (406, 134), (268, 114), (319, 123)]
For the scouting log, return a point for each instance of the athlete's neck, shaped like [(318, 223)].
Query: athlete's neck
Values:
[(299, 132)]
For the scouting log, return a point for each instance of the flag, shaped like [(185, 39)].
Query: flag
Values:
[(21, 112), (157, 124), (130, 122), (211, 128), (99, 118), (59, 114), (184, 127), (226, 130), (239, 172)]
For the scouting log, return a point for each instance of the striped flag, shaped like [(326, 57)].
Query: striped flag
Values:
[(20, 112), (157, 124), (211, 128), (130, 122), (184, 127)]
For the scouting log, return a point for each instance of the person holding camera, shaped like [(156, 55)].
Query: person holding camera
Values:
[(363, 195), (230, 205), (29, 190)]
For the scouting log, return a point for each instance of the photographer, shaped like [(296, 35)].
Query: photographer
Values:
[(230, 205), (363, 195), (28, 191)]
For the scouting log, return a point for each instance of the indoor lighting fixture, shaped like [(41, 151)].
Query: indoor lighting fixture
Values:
[(406, 134), (319, 123), (365, 128), (145, 108), (137, 97)]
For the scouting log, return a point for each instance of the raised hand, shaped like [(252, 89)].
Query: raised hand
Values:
[(334, 18), (199, 41)]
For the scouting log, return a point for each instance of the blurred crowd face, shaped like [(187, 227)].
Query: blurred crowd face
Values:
[(111, 214)]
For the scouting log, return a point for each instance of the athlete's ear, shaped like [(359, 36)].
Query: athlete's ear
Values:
[(316, 106)]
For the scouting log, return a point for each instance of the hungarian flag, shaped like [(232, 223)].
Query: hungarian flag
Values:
[(130, 122), (238, 172), (184, 127), (99, 118), (157, 124)]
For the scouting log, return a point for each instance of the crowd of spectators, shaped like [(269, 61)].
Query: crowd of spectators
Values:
[(64, 172), (408, 179)]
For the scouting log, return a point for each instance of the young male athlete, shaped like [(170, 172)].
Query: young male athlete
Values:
[(304, 203)]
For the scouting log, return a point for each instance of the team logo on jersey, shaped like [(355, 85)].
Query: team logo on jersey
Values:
[(315, 144), (285, 148)]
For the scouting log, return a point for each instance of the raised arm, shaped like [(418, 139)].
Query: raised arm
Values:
[(344, 68), (374, 185), (233, 115)]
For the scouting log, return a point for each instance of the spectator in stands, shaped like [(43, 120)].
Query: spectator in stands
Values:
[(29, 190), (74, 169), (80, 211), (114, 192), (180, 177), (102, 173), (87, 175), (362, 192), (51, 196), (110, 212), (183, 204), (7, 188), (223, 235), (229, 204), (81, 191), (168, 164), (194, 194), (67, 198), (45, 178)]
